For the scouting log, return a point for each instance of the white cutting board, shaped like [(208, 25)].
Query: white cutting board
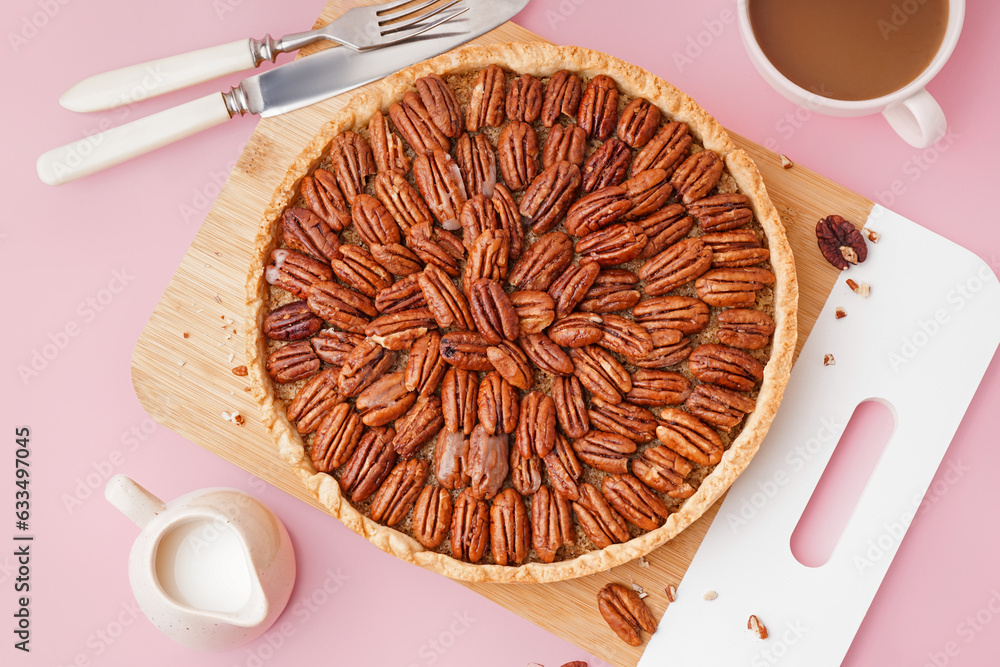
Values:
[(923, 338)]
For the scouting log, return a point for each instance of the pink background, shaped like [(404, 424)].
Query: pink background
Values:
[(62, 249)]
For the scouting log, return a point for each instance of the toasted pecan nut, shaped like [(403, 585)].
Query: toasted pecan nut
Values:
[(323, 196), (398, 331), (577, 330), (601, 373), (689, 436), (384, 400), (293, 321), (666, 150), (510, 532), (295, 272), (397, 494), (401, 200), (551, 523), (497, 405), (373, 222), (404, 294), (333, 346), (470, 527), (542, 262), (571, 409), (625, 337), (365, 364), (478, 164), (545, 354), (340, 306), (606, 166), (488, 258), (440, 182), (524, 99), (612, 245), (732, 287), (572, 285), (536, 425), (638, 123), (511, 363), (686, 314), (478, 216), (525, 473), (656, 388), (669, 348), (510, 219), (291, 362), (625, 612), (486, 103), (489, 461), (432, 516), (726, 366), (649, 191), (664, 228), (635, 423), (745, 329), (597, 210), (358, 268), (599, 107), (565, 143), (722, 408), (424, 367), (307, 232), (315, 400), (564, 469), (336, 438), (613, 290), (535, 310), (599, 521), (448, 305), (721, 212), (697, 175), (459, 392), (840, 242), (492, 312), (550, 195), (422, 422), (372, 461), (397, 259), (451, 456), (678, 265), (634, 501), (414, 122), (604, 451), (664, 470), (351, 162), (466, 350), (562, 96), (734, 248), (436, 246), (517, 155), (441, 104), (387, 148)]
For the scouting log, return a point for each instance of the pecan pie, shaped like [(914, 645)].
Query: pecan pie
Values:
[(521, 312)]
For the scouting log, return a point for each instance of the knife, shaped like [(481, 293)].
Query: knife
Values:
[(286, 88)]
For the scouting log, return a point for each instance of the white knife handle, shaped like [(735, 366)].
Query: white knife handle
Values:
[(105, 149), (156, 77)]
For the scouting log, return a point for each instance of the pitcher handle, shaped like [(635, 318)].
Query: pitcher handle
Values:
[(135, 502)]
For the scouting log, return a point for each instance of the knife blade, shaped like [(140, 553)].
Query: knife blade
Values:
[(279, 90)]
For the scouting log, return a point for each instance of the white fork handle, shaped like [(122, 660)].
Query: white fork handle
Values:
[(156, 77), (105, 149)]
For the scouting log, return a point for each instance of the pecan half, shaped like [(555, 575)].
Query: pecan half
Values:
[(726, 366), (737, 247), (306, 232), (365, 364), (323, 196), (384, 400), (601, 373), (315, 400), (665, 227), (571, 409), (336, 438), (550, 195), (517, 154), (333, 347), (373, 222), (470, 527), (719, 213), (655, 388), (477, 162), (597, 210), (414, 122), (510, 219), (398, 330), (451, 455), (294, 272), (535, 310), (545, 354), (459, 392), (697, 175), (625, 337), (372, 461), (577, 330), (732, 287), (424, 367), (649, 191), (441, 104), (422, 422), (510, 532), (488, 258), (562, 96), (351, 162), (342, 307), (488, 462), (613, 290), (745, 329), (399, 491), (291, 362), (466, 350), (358, 268), (397, 259), (478, 216), (440, 182), (678, 265), (436, 246), (689, 436), (612, 245), (665, 150), (511, 363), (570, 287), (293, 321), (625, 613), (604, 451), (497, 405), (599, 521), (525, 473), (722, 408), (542, 262), (638, 123), (402, 200), (551, 523), (486, 102), (663, 313), (492, 312), (404, 294), (669, 348), (635, 423), (432, 516), (664, 470), (838, 239), (387, 148), (565, 143), (524, 99), (599, 107), (634, 501), (448, 305), (564, 469), (606, 166), (536, 426)]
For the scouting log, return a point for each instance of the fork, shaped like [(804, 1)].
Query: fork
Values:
[(359, 28)]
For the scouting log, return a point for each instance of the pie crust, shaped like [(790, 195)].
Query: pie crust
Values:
[(541, 60)]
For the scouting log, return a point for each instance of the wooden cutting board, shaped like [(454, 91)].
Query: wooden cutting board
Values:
[(181, 365)]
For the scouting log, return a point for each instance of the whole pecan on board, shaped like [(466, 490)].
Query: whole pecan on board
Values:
[(840, 242), (625, 612)]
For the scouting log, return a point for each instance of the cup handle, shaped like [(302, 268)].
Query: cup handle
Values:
[(918, 119)]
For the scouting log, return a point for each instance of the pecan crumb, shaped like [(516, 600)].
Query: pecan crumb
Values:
[(643, 562), (247, 389), (217, 299), (711, 595), (186, 334), (238, 419), (671, 592), (240, 370), (785, 162), (849, 254), (828, 360), (840, 312), (226, 416), (640, 590), (861, 289), (872, 235), (753, 623)]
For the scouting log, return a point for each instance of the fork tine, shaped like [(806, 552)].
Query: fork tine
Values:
[(410, 11), (414, 29), (389, 6)]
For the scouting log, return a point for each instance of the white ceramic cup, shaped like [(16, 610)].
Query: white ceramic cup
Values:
[(911, 111)]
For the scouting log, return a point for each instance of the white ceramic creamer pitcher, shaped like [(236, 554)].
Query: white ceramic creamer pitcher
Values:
[(212, 569)]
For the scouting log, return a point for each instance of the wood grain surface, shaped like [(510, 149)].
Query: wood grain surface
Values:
[(182, 363)]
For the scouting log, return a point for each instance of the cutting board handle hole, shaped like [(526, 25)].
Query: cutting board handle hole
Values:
[(854, 458)]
